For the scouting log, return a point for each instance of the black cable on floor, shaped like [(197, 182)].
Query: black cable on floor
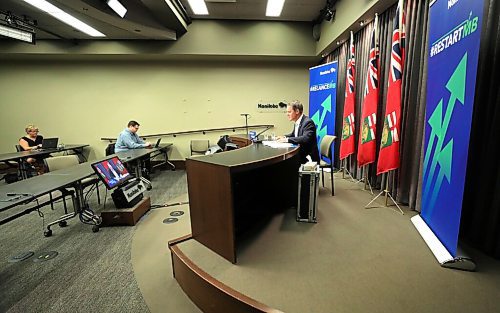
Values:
[(166, 205)]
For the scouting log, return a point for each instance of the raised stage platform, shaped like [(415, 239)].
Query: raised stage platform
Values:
[(352, 260)]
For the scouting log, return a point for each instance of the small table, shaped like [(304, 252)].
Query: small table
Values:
[(19, 157)]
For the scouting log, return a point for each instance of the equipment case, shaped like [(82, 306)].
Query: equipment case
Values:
[(308, 194)]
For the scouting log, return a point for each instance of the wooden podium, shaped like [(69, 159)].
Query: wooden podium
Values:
[(230, 191), (125, 216)]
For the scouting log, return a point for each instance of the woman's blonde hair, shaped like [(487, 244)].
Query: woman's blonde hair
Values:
[(30, 127)]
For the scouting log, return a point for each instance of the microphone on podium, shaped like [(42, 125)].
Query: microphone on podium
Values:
[(256, 139)]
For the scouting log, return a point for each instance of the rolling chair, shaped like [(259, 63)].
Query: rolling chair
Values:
[(325, 150), (199, 146), (110, 149)]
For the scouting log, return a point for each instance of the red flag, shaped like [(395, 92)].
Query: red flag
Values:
[(347, 143), (389, 145), (367, 144)]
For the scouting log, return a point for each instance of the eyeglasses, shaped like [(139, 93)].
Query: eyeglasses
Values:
[(33, 131)]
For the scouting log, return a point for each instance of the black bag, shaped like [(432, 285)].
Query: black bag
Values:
[(11, 178), (223, 141)]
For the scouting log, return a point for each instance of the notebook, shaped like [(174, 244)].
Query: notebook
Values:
[(49, 143)]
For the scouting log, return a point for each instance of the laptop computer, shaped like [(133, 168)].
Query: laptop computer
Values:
[(49, 143), (157, 143)]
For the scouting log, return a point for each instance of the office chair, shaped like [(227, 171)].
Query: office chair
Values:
[(325, 150), (199, 146), (110, 149), (65, 161)]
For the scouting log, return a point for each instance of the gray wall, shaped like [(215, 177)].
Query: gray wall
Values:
[(82, 101)]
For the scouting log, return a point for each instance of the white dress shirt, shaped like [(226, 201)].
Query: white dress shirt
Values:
[(297, 124)]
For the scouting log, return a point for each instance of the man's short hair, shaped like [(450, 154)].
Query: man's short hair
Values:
[(296, 105), (133, 124)]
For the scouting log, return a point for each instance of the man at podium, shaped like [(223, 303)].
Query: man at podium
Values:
[(304, 132)]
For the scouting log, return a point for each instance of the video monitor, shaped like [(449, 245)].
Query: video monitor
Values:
[(112, 172)]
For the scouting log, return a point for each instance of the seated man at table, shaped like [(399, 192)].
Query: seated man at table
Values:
[(128, 139)]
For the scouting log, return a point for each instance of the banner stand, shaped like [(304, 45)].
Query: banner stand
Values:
[(365, 179), (445, 259), (346, 171), (387, 195)]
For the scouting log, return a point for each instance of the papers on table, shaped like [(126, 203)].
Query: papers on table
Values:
[(275, 144)]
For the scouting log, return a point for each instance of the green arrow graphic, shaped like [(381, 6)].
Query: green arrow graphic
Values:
[(327, 107), (435, 123), (445, 161), (456, 87)]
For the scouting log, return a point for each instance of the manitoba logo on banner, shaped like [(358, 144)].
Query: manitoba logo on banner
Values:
[(347, 143), (367, 144), (389, 148)]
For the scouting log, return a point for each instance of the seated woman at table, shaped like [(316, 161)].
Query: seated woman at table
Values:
[(32, 141)]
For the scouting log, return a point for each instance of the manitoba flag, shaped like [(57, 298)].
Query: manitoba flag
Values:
[(367, 144), (389, 146), (347, 143)]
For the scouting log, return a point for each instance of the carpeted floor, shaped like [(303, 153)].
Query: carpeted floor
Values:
[(352, 260), (93, 272)]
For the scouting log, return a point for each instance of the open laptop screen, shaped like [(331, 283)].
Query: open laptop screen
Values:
[(112, 172), (49, 143)]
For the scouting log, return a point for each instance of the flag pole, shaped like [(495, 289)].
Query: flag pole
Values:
[(346, 171), (364, 179), (387, 195)]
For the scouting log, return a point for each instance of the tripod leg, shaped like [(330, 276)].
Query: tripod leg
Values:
[(394, 201), (376, 197)]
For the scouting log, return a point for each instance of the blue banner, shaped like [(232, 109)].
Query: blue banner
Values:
[(322, 98), (454, 34)]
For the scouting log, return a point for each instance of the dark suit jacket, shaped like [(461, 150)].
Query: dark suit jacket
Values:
[(306, 138)]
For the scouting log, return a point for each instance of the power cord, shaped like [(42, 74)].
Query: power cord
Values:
[(166, 205)]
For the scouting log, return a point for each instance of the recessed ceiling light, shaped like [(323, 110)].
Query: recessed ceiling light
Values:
[(199, 7), (65, 17), (274, 7), (117, 7)]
